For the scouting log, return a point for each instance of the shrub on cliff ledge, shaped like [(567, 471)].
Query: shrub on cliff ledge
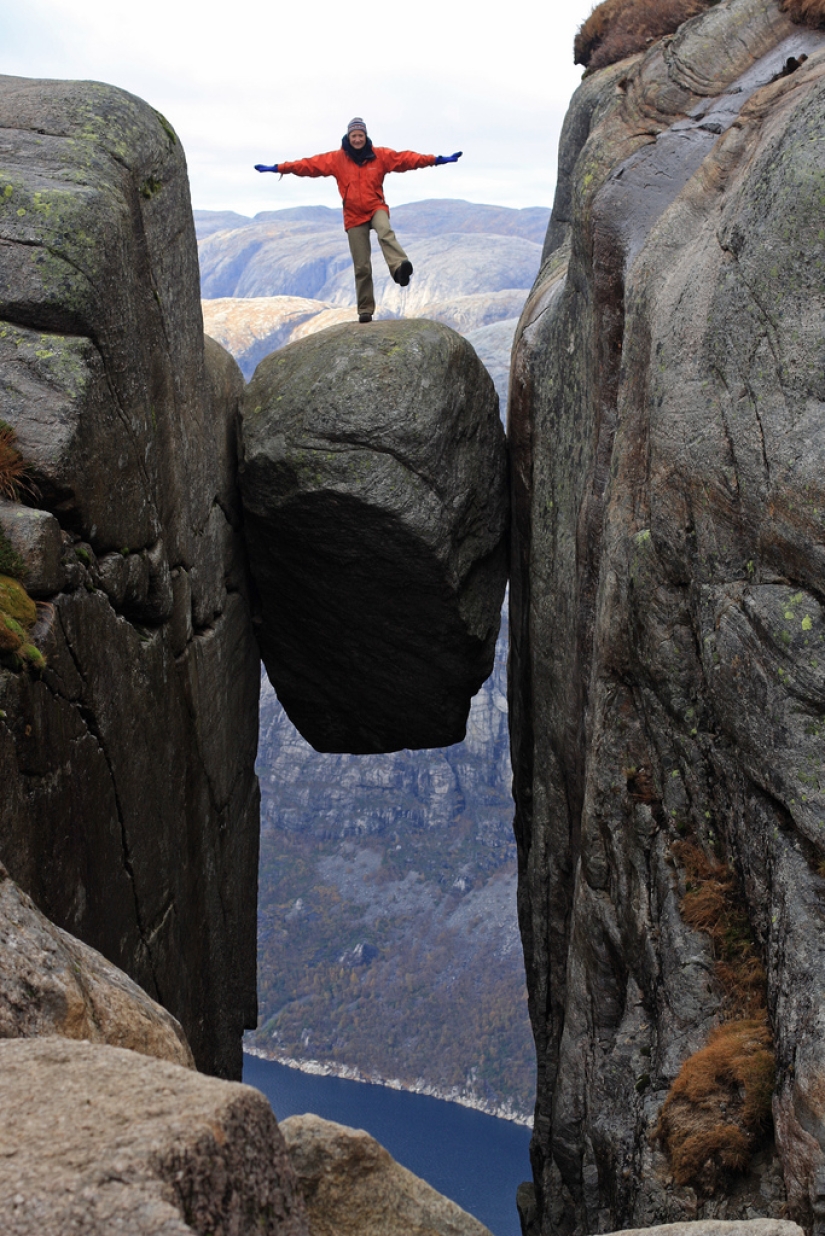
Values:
[(712, 904), (805, 12), (619, 28), (719, 1106)]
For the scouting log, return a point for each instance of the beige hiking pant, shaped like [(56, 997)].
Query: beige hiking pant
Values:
[(360, 246)]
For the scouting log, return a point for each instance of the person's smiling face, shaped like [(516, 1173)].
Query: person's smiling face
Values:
[(358, 139)]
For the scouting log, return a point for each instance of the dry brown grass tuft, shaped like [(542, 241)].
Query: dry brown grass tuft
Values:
[(719, 1105), (13, 468), (712, 905), (805, 12), (619, 28)]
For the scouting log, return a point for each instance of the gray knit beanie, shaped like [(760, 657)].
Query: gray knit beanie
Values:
[(356, 123)]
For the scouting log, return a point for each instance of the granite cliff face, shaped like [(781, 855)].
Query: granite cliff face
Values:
[(129, 811), (128, 718), (129, 806), (666, 424), (52, 984)]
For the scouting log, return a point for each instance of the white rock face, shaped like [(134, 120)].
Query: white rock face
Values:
[(445, 267)]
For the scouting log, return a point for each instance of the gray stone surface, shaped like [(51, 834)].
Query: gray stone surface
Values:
[(129, 804), (374, 489), (718, 1227), (52, 984), (103, 1140), (353, 1187), (666, 429), (37, 537), (252, 327)]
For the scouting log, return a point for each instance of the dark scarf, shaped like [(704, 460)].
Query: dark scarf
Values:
[(358, 156)]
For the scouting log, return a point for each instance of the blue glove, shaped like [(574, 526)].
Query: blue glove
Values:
[(453, 158), (261, 167)]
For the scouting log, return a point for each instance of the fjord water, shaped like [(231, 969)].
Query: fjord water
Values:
[(475, 1159)]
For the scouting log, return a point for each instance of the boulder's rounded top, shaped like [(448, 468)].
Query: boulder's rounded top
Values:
[(378, 378)]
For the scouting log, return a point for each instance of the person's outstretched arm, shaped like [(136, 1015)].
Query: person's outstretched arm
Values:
[(318, 165), (409, 161), (402, 160)]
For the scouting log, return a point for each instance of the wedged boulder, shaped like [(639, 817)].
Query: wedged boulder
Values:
[(667, 435), (353, 1187), (53, 984), (103, 1140), (373, 478), (129, 805)]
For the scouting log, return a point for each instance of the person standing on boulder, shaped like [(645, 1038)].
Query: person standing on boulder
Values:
[(359, 169)]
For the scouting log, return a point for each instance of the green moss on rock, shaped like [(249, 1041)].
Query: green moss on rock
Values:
[(15, 602)]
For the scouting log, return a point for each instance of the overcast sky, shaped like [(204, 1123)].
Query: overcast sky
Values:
[(253, 82)]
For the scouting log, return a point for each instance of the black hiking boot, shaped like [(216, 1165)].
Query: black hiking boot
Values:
[(364, 317), (402, 273)]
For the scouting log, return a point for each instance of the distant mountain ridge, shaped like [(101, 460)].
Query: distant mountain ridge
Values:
[(294, 257), (271, 279), (431, 217)]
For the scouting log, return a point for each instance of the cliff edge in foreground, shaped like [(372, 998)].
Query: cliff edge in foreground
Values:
[(667, 423)]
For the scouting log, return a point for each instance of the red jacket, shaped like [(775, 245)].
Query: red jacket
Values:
[(361, 186)]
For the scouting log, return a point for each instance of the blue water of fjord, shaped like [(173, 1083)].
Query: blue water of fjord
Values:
[(475, 1159)]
